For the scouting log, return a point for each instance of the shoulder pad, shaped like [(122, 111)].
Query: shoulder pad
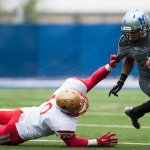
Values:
[(123, 42)]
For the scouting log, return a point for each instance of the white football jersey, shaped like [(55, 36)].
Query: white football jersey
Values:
[(46, 119)]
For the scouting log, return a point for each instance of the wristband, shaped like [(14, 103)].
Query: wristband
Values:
[(123, 77), (92, 142), (108, 68)]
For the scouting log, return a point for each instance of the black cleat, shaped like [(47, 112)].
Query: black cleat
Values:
[(134, 119)]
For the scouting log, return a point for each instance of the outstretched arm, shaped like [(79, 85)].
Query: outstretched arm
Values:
[(101, 73), (105, 140)]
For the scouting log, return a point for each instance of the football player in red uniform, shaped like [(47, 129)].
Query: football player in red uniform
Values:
[(59, 115)]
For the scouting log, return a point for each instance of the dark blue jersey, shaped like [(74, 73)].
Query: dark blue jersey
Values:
[(139, 50)]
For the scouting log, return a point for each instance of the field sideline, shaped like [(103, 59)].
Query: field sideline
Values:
[(104, 114), (131, 83)]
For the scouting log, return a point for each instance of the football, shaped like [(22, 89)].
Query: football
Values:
[(148, 63)]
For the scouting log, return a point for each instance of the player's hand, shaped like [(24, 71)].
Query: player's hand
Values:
[(147, 64), (107, 140), (113, 61), (116, 88)]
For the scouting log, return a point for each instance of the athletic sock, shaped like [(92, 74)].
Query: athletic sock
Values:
[(140, 110)]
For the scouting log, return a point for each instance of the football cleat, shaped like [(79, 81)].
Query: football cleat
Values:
[(134, 119)]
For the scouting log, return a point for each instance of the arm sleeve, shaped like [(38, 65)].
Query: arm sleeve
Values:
[(73, 141), (96, 77)]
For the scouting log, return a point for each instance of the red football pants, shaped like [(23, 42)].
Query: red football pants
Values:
[(8, 132)]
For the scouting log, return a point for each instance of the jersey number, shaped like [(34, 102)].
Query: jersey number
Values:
[(48, 106)]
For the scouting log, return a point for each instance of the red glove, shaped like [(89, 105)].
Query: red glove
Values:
[(148, 63), (107, 140), (113, 62)]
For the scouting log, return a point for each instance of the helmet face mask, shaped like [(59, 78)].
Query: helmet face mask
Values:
[(133, 21), (72, 102), (134, 35)]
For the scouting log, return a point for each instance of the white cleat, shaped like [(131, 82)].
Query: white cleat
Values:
[(134, 119)]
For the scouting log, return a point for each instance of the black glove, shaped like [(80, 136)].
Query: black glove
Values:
[(116, 88)]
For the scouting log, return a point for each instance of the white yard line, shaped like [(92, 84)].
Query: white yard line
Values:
[(123, 143), (87, 113), (47, 141), (128, 143), (103, 114), (6, 109), (110, 126), (91, 113), (98, 125)]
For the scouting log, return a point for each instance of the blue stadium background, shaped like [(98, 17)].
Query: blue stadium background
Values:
[(52, 50)]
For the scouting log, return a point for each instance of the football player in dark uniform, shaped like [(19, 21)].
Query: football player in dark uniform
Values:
[(134, 45)]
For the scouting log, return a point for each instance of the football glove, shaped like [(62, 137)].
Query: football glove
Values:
[(107, 140), (147, 64), (116, 88), (113, 61)]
